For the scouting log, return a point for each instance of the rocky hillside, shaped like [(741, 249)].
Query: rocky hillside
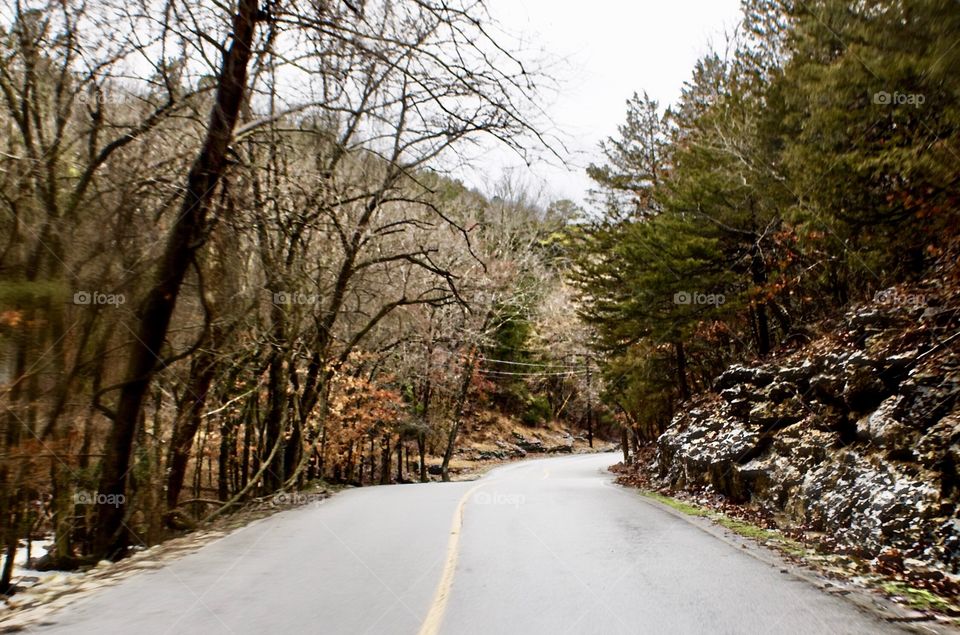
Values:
[(855, 437)]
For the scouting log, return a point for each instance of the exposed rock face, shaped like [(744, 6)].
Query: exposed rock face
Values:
[(528, 444), (535, 444), (856, 435), (869, 503)]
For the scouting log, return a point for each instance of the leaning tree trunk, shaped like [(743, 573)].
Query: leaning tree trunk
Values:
[(187, 422), (185, 238)]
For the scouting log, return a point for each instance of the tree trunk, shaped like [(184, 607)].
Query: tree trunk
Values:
[(293, 450), (62, 507), (360, 462), (589, 406), (385, 460), (681, 370), (758, 270), (8, 533), (273, 424), (185, 238), (187, 423), (373, 458), (223, 462), (321, 461), (457, 415), (422, 450), (399, 460), (12, 540)]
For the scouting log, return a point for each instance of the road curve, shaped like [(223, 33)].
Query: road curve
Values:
[(541, 547)]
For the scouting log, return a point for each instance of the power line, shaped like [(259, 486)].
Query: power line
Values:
[(568, 373), (513, 363), (504, 361)]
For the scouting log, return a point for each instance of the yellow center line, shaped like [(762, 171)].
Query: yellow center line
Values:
[(431, 625)]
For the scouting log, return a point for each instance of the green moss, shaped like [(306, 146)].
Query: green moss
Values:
[(741, 527), (680, 506), (918, 598), (745, 529), (921, 599)]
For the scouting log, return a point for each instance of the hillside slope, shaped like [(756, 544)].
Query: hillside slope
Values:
[(853, 439)]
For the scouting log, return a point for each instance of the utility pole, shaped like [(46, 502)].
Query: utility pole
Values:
[(589, 404)]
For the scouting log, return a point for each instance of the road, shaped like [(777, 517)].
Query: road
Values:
[(549, 546)]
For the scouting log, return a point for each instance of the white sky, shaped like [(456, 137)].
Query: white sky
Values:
[(607, 50)]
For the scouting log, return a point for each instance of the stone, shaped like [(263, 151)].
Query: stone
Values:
[(797, 374), (863, 391), (769, 415), (928, 397), (882, 429), (889, 561), (529, 445), (565, 446), (826, 388), (740, 409), (740, 392), (867, 318), (941, 441), (780, 391), (738, 374)]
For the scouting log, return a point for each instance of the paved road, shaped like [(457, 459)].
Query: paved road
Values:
[(545, 547)]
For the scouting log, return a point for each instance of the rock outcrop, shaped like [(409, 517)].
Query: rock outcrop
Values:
[(856, 435)]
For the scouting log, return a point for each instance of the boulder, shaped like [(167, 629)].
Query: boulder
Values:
[(738, 374), (768, 415), (883, 429), (826, 388), (939, 447), (565, 446), (740, 409), (770, 480), (529, 445), (511, 449), (780, 391), (868, 318), (491, 455), (869, 505), (895, 367), (928, 397), (740, 392), (706, 452), (799, 375)]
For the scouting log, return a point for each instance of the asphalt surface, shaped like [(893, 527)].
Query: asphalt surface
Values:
[(541, 547)]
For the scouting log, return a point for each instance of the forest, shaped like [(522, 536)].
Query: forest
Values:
[(237, 259), (235, 265), (809, 165)]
